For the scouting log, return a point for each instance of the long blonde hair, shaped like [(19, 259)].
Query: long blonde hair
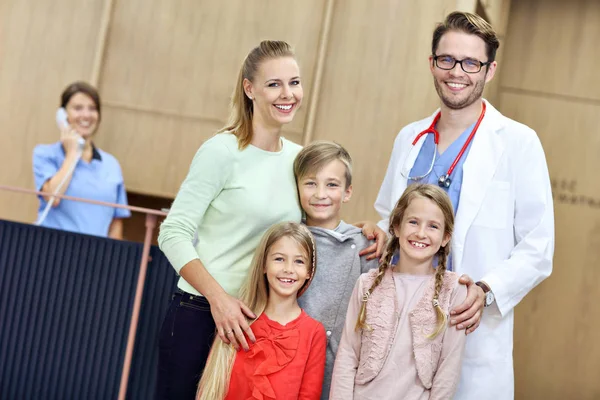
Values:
[(255, 294), (241, 108), (441, 199)]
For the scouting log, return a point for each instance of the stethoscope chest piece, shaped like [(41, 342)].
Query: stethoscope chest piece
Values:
[(444, 181)]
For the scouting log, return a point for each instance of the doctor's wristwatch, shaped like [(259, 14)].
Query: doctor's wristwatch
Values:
[(489, 295)]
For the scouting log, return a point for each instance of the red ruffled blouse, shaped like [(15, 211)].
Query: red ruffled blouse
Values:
[(286, 362)]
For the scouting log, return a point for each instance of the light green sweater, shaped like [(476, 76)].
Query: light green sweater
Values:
[(230, 197)]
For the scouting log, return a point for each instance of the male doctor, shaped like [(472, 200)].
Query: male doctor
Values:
[(495, 173)]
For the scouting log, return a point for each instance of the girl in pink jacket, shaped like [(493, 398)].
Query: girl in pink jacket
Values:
[(396, 343)]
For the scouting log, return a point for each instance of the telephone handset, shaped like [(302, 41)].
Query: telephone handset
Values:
[(62, 122), (61, 118)]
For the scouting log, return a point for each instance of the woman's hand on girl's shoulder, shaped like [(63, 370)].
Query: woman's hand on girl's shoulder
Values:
[(230, 314)]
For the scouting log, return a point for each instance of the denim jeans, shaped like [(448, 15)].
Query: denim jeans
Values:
[(185, 339)]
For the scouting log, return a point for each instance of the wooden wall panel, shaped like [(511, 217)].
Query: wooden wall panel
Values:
[(554, 47), (180, 59), (556, 353), (184, 55), (568, 131), (376, 80), (155, 150), (497, 13), (44, 45), (546, 82)]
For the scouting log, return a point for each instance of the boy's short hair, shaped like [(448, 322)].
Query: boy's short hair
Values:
[(319, 153)]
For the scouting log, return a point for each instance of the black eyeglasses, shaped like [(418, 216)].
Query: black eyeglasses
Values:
[(469, 65)]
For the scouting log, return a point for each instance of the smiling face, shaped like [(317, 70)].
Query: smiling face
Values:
[(322, 194), (82, 114), (286, 268), (456, 88), (421, 232), (276, 91)]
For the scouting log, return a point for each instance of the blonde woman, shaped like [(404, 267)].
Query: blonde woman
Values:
[(288, 359), (239, 184), (396, 342)]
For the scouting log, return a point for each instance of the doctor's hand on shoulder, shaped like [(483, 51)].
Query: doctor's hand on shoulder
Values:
[(468, 314), (372, 232)]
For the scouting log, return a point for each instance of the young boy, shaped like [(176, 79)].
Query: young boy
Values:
[(323, 172)]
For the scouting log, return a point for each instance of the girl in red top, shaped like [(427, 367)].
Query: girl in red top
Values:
[(287, 360)]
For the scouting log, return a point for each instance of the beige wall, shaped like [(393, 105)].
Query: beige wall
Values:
[(549, 82)]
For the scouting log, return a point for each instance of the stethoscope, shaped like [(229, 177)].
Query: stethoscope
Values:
[(444, 181)]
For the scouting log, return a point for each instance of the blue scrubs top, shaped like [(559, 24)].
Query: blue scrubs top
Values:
[(441, 166), (100, 179)]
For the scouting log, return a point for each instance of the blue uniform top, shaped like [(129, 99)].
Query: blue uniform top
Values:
[(100, 179), (441, 166)]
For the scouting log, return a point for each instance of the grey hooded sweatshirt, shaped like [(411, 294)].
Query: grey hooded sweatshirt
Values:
[(327, 297)]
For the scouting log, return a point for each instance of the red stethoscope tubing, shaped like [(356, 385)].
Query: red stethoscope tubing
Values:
[(436, 137)]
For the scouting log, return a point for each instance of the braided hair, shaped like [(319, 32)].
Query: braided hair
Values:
[(441, 199)]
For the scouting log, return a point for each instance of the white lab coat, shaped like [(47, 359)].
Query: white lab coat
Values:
[(503, 235)]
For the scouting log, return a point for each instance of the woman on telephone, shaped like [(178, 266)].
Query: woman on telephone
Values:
[(75, 167)]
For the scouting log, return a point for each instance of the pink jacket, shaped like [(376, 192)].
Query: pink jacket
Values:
[(383, 317)]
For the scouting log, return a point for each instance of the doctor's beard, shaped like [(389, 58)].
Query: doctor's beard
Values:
[(458, 104)]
